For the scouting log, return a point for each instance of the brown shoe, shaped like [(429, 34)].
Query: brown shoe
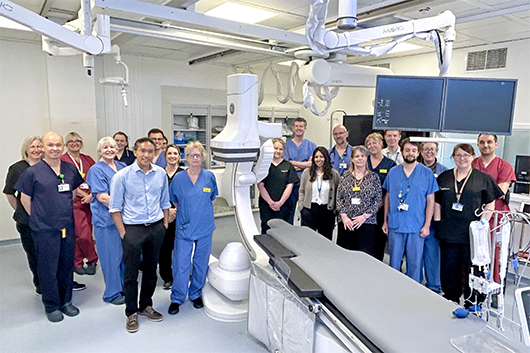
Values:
[(132, 323), (151, 314)]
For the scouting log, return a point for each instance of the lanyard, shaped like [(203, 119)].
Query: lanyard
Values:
[(321, 182), (357, 187), (402, 197), (459, 192), (80, 166)]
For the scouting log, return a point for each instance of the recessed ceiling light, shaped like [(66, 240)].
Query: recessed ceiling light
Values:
[(240, 13), (7, 23), (404, 47)]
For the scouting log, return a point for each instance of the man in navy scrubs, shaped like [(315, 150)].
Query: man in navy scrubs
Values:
[(47, 191)]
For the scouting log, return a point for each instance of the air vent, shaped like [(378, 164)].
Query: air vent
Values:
[(486, 59), (385, 65)]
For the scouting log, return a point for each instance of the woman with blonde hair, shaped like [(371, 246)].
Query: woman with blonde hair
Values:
[(193, 192), (108, 238), (84, 243), (358, 200)]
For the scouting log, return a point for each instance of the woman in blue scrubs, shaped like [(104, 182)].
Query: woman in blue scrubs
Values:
[(108, 240), (193, 192)]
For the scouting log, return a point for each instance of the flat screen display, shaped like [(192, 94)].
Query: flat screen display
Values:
[(408, 103), (479, 105)]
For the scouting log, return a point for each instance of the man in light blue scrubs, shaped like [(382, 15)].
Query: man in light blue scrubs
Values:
[(159, 139), (298, 152), (340, 154), (409, 207)]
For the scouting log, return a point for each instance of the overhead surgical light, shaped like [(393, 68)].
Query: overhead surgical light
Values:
[(242, 13)]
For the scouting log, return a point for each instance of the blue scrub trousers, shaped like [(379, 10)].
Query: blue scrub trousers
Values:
[(110, 251), (181, 267), (55, 265), (431, 263), (410, 245)]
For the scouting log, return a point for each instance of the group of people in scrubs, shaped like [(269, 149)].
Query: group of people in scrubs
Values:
[(190, 219), (400, 193)]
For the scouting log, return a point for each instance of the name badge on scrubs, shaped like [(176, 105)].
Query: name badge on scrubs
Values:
[(63, 187), (383, 171), (356, 188), (458, 207), (206, 190), (343, 166), (355, 201), (84, 186), (403, 207)]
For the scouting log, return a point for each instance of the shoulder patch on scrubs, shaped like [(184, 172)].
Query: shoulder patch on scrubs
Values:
[(206, 190)]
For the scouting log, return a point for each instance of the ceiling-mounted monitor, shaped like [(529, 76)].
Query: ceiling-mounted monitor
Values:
[(477, 105), (408, 103)]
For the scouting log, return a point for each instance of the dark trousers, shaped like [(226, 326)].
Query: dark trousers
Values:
[(455, 265), (362, 239), (380, 237), (266, 213), (26, 237), (55, 265), (318, 218), (166, 254), (293, 199), (141, 244)]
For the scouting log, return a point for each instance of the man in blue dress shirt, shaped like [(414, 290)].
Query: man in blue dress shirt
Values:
[(340, 154), (298, 152), (139, 204), (409, 207), (47, 190)]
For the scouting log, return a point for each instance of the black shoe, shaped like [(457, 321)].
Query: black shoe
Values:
[(91, 269), (78, 286), (70, 310), (55, 316), (197, 303), (173, 309), (80, 271)]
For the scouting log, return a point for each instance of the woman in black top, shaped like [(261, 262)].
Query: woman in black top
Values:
[(380, 165), (124, 154), (276, 188), (31, 154), (463, 190), (172, 155)]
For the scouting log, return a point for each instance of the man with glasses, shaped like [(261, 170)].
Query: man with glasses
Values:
[(409, 207), (503, 174), (158, 137), (340, 154), (139, 204), (431, 247)]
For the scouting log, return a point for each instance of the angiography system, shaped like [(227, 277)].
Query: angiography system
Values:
[(300, 292)]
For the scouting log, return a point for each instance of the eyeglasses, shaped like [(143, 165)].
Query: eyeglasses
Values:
[(462, 156), (429, 149), (194, 156)]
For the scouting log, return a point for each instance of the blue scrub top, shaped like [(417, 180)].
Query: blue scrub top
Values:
[(161, 160), (337, 160), (419, 184), (300, 153), (50, 209), (195, 218), (98, 179)]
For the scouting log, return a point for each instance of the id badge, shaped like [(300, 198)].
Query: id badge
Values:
[(383, 171), (355, 201), (63, 187), (403, 207), (356, 188), (458, 207), (343, 166)]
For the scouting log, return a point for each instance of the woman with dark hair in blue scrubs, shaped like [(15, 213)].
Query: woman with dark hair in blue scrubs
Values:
[(108, 240), (193, 192)]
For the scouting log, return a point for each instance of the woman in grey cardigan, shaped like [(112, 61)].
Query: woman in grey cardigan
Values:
[(318, 188)]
